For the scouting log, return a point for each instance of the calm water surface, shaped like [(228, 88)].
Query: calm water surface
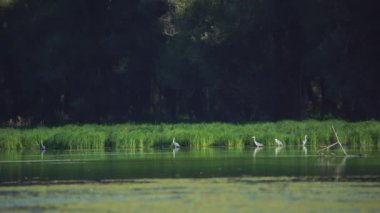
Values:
[(183, 163)]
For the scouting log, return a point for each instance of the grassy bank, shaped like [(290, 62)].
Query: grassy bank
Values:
[(92, 136)]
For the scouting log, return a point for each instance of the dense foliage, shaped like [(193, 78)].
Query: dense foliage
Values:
[(190, 60), (361, 135)]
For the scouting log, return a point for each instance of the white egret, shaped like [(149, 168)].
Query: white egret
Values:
[(278, 142), (42, 146), (175, 144), (303, 142), (257, 143)]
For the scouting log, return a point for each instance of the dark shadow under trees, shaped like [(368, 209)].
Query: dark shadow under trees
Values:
[(152, 60)]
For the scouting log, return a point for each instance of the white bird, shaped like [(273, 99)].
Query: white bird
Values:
[(257, 143), (278, 142), (42, 146), (303, 142), (175, 144)]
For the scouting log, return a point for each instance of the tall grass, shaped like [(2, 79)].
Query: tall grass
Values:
[(119, 136)]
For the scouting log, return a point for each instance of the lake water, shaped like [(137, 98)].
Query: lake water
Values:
[(291, 179), (102, 165)]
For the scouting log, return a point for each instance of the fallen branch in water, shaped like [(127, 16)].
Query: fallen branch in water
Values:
[(336, 135), (332, 145), (336, 143), (329, 146)]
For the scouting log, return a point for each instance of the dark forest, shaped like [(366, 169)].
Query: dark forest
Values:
[(107, 61)]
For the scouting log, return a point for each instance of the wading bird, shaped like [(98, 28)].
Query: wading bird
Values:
[(257, 143), (303, 142), (175, 144), (42, 146), (278, 142)]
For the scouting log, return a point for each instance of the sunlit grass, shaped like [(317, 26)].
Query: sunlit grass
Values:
[(120, 136), (261, 194)]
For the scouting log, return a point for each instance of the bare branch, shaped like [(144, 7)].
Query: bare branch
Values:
[(328, 147), (336, 135)]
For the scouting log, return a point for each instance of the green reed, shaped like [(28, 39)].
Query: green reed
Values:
[(119, 136)]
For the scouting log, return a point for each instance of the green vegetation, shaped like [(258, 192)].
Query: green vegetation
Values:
[(5, 3), (268, 194), (92, 136)]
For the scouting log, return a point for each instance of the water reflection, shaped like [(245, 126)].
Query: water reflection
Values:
[(257, 149), (175, 150), (304, 149), (340, 168), (42, 154), (192, 163), (331, 165), (277, 150)]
